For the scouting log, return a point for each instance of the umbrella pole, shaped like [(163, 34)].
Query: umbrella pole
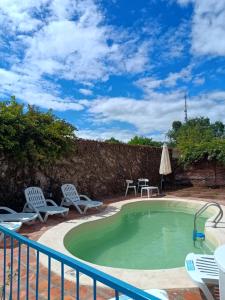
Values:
[(161, 183)]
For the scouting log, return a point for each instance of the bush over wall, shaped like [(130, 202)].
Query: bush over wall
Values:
[(29, 137)]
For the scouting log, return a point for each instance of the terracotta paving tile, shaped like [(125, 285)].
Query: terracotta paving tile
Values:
[(68, 298), (192, 296), (43, 285)]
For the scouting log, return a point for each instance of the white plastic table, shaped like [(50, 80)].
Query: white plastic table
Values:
[(220, 260), (149, 190)]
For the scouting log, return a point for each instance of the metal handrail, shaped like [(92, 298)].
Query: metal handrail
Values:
[(117, 285), (218, 217)]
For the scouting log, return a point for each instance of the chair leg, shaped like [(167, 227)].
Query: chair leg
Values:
[(40, 218), (79, 210), (65, 214), (85, 210), (126, 191), (135, 191), (46, 217), (206, 291)]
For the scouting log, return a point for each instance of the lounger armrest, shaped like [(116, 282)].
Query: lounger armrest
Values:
[(29, 206), (65, 200), (52, 202), (85, 197), (7, 209)]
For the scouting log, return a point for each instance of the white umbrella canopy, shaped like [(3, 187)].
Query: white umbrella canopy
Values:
[(165, 165)]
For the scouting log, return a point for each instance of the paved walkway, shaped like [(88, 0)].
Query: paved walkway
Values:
[(36, 230)]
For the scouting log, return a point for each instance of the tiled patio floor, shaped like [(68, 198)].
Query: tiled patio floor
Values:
[(34, 231)]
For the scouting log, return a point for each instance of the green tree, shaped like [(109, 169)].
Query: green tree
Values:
[(219, 129), (29, 136), (173, 133), (112, 140), (201, 124), (199, 140), (141, 140)]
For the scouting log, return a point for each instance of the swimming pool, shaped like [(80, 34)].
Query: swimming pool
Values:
[(143, 236)]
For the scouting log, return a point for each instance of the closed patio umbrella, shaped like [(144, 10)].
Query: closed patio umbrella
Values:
[(165, 165)]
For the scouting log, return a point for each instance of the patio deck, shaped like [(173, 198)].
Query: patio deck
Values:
[(34, 231)]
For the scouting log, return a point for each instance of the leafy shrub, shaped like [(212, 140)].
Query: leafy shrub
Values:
[(141, 140), (198, 140), (29, 136), (112, 140)]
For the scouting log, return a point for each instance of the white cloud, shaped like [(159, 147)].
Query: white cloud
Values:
[(157, 113), (64, 40), (173, 43), (123, 135), (208, 27), (184, 2), (35, 92), (146, 115), (104, 133), (199, 80), (86, 92), (149, 84), (139, 61), (17, 14)]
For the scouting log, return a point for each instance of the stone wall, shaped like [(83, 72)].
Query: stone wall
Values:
[(98, 169), (204, 173)]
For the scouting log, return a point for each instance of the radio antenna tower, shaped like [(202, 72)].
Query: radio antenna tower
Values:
[(185, 108)]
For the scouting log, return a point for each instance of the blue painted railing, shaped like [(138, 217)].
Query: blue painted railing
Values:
[(12, 252)]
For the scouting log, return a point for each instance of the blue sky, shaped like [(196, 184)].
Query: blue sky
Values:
[(115, 68)]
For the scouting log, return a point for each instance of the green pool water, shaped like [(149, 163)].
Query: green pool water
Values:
[(142, 236)]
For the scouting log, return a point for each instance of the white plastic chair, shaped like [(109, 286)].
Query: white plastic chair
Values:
[(10, 215), (130, 186), (203, 270), (14, 226), (36, 202), (160, 294), (71, 197), (142, 182)]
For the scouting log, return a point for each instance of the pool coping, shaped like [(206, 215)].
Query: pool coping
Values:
[(144, 279)]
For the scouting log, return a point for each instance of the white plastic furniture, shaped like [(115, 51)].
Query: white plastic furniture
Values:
[(203, 270), (160, 294), (220, 260), (71, 197), (14, 226), (142, 182), (149, 190), (130, 186), (10, 215), (36, 202)]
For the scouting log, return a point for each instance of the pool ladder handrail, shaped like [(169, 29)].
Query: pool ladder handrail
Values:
[(218, 217)]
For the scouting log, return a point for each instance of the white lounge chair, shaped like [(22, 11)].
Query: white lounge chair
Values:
[(14, 226), (160, 294), (36, 202), (71, 197), (203, 270), (10, 215)]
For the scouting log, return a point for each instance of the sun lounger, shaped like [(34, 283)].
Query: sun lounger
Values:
[(204, 271), (9, 215), (36, 202), (14, 226), (71, 197)]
